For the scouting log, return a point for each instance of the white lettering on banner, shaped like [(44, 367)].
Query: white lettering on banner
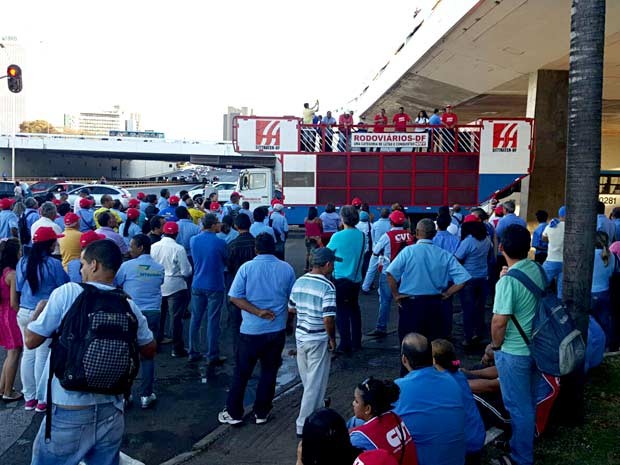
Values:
[(389, 139)]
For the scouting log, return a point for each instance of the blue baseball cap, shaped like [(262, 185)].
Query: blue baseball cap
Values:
[(364, 216), (562, 211)]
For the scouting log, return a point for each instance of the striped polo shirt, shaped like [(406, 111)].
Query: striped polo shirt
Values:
[(314, 298)]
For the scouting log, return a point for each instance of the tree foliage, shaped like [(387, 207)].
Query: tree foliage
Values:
[(38, 126)]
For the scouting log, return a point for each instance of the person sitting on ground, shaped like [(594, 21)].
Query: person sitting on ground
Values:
[(431, 406), (444, 358), (325, 440), (382, 428)]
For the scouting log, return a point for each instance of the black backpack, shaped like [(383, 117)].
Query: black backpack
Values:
[(23, 229), (95, 349)]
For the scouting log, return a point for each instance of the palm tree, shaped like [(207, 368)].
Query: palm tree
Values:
[(583, 164)]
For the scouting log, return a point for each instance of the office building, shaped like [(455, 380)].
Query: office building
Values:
[(100, 123), (228, 119)]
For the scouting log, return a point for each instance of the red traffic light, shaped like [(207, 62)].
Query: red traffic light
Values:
[(14, 75), (12, 71)]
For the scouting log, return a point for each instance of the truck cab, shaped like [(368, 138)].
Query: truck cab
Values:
[(257, 186)]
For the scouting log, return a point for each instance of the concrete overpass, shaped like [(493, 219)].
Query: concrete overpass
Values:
[(503, 58), (117, 157)]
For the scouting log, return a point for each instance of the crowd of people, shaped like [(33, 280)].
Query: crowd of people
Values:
[(173, 258), (320, 132)]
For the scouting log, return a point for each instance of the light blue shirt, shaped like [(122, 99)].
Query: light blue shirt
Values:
[(187, 230), (474, 255), (31, 217), (265, 282), (73, 270), (249, 214), (133, 230), (447, 241), (507, 220), (8, 220), (474, 427), (259, 228), (601, 274), (143, 205), (617, 228), (162, 203), (435, 120), (331, 221), (384, 247), (87, 219), (59, 303), (142, 278), (537, 242), (607, 226), (379, 228), (348, 244), (60, 221), (431, 405), (229, 208), (228, 238), (121, 214), (279, 225), (51, 276), (425, 269)]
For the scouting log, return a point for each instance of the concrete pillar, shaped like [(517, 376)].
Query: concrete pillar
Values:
[(547, 102)]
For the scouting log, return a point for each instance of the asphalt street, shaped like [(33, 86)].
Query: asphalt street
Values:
[(186, 409)]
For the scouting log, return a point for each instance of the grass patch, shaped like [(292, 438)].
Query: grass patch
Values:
[(597, 442)]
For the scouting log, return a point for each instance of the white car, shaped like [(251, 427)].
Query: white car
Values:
[(223, 189), (97, 190)]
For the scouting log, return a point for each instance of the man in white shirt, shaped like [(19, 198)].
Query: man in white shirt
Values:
[(173, 258), (554, 235), (48, 215)]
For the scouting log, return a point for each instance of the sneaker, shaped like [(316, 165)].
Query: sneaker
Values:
[(262, 421), (224, 417), (216, 362), (30, 404), (41, 407), (179, 354), (377, 333), (147, 401)]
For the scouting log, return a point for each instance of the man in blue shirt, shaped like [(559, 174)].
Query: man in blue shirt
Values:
[(259, 226), (169, 213), (141, 278), (92, 424), (280, 228), (209, 254), (541, 247), (603, 223), (444, 239), (508, 219), (8, 220), (435, 119), (419, 278), (187, 230), (381, 226), (245, 210), (431, 406), (163, 199), (261, 289), (31, 213)]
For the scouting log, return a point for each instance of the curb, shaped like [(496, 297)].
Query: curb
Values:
[(220, 431)]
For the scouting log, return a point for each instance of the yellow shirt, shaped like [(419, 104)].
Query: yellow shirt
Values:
[(308, 114), (196, 215), (70, 246), (100, 210)]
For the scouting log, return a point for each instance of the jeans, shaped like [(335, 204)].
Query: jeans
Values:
[(373, 268), (385, 303), (554, 270), (473, 298), (32, 368), (174, 304), (209, 302), (518, 380), (420, 315), (148, 365), (601, 311), (92, 434), (266, 348), (313, 361), (348, 315)]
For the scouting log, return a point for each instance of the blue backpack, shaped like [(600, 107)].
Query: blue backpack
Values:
[(556, 345)]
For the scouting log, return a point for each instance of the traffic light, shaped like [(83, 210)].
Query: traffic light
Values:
[(14, 78)]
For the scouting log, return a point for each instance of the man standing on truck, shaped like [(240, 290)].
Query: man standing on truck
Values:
[(381, 121), (345, 125), (308, 133), (449, 120), (400, 120)]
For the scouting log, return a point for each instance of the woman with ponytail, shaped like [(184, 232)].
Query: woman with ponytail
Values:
[(372, 403), (445, 359)]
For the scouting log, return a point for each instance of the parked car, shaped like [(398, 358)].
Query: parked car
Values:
[(64, 187), (223, 189), (97, 190), (44, 185), (7, 189)]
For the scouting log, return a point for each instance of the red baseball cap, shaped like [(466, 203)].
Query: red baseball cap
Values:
[(6, 203), (45, 233), (375, 457), (71, 218), (235, 194), (171, 228), (356, 202), (398, 218), (499, 210), (471, 219), (85, 202), (133, 214), (90, 236), (56, 201), (140, 195), (274, 201), (133, 203), (214, 207), (174, 200)]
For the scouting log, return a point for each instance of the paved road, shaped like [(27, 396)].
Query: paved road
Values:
[(186, 409)]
